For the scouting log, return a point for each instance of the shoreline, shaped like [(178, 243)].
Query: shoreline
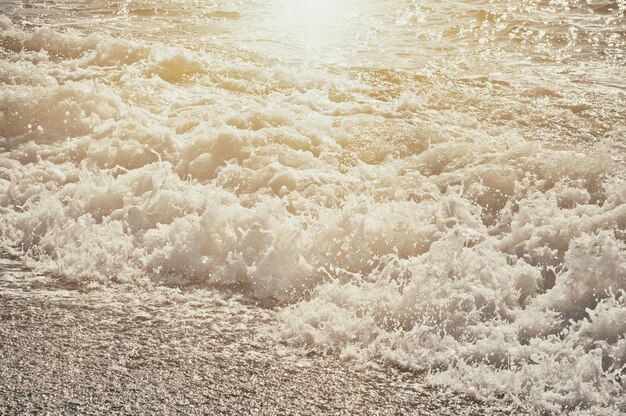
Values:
[(67, 352)]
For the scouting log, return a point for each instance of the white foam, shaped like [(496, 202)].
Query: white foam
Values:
[(396, 227)]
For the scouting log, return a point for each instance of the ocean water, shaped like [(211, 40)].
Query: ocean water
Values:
[(439, 186)]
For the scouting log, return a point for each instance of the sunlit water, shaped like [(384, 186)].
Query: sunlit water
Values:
[(437, 185)]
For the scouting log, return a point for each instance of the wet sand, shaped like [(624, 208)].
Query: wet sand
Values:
[(71, 352)]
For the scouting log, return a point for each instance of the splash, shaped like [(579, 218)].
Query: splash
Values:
[(443, 219)]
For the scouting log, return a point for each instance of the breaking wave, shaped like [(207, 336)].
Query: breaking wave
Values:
[(469, 227)]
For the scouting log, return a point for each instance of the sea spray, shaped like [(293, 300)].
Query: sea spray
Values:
[(462, 215)]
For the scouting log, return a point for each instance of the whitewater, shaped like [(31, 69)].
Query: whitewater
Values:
[(435, 186)]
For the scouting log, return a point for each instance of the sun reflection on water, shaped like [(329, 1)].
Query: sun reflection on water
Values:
[(313, 22), (312, 28)]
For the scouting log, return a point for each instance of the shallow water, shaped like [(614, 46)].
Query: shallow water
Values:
[(440, 186)]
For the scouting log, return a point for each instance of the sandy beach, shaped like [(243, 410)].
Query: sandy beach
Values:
[(72, 353)]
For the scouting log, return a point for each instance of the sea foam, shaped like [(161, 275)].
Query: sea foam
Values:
[(387, 224)]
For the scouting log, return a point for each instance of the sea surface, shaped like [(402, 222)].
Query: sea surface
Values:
[(438, 186)]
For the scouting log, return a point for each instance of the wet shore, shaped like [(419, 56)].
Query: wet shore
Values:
[(73, 352)]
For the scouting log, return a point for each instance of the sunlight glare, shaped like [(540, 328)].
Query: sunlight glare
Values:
[(314, 22)]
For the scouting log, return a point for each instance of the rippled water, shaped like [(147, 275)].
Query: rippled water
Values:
[(437, 185)]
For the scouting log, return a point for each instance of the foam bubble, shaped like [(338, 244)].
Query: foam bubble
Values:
[(387, 222)]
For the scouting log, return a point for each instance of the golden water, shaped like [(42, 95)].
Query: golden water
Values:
[(432, 184)]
